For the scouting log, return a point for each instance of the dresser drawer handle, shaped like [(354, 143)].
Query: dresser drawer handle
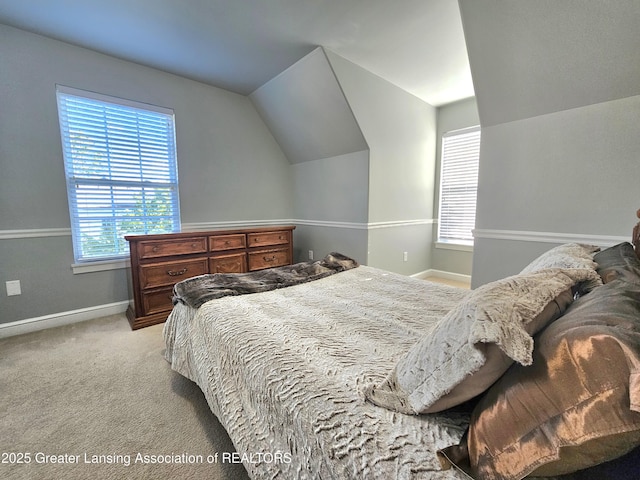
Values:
[(269, 259), (171, 273), (155, 249), (194, 245)]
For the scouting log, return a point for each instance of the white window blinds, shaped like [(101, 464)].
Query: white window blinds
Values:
[(459, 186), (120, 165)]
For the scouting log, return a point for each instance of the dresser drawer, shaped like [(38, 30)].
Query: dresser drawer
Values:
[(159, 261), (268, 258), (235, 263), (219, 243), (268, 238), (157, 301), (168, 273), (166, 248)]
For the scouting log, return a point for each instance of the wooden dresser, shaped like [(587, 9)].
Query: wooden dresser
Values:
[(158, 262)]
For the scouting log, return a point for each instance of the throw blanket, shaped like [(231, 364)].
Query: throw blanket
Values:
[(196, 291)]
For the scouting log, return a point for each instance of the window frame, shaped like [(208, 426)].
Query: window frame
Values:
[(451, 241), (114, 173)]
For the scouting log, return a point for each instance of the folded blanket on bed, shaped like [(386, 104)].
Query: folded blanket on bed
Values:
[(197, 290)]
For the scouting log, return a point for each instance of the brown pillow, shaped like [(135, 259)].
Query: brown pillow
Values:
[(576, 406), (625, 467), (617, 261)]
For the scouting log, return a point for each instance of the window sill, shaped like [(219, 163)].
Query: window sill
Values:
[(100, 266), (454, 246)]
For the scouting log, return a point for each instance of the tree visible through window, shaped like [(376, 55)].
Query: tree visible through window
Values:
[(120, 165), (459, 186)]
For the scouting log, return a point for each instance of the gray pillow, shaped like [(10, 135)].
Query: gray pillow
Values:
[(569, 255), (474, 344)]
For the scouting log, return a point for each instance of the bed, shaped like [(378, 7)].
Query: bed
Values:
[(334, 370)]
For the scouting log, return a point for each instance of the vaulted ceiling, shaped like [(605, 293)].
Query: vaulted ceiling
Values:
[(239, 45)]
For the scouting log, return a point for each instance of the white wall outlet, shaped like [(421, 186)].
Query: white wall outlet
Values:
[(310, 254), (405, 256), (13, 288)]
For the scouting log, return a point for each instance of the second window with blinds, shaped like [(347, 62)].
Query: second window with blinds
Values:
[(458, 187)]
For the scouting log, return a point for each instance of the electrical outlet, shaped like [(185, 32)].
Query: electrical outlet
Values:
[(405, 256), (310, 254), (13, 288)]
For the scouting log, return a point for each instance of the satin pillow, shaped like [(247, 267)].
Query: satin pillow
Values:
[(617, 261), (576, 406)]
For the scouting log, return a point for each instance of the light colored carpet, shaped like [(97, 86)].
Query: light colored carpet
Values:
[(100, 393), (446, 281)]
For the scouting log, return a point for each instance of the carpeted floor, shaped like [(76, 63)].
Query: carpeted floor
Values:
[(97, 400)]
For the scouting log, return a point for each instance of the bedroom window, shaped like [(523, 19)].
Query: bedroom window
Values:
[(120, 166), (458, 186)]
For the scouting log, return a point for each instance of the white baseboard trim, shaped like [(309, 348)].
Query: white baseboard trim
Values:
[(458, 277), (63, 318)]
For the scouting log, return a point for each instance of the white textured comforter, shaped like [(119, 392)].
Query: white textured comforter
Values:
[(284, 371)]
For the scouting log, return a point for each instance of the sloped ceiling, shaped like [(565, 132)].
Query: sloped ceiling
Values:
[(307, 112), (239, 45), (530, 58)]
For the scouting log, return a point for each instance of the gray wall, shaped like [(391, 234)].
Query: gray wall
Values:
[(367, 186), (330, 205), (230, 166), (306, 110), (453, 116), (366, 189), (571, 174), (557, 87), (400, 130)]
